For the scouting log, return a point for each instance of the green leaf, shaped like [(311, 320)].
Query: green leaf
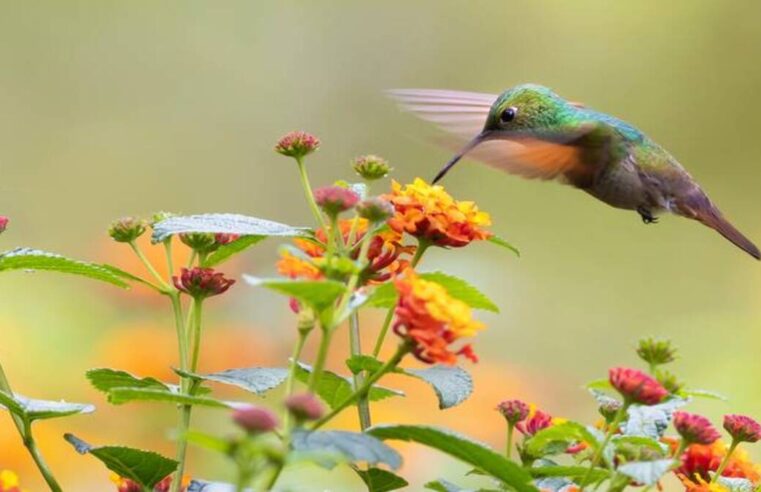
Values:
[(34, 259), (224, 223), (567, 432), (494, 239), (319, 294), (646, 442), (257, 380), (30, 410), (452, 385), (599, 384), (104, 379), (208, 441), (359, 363), (646, 472), (385, 295), (334, 389), (701, 393), (378, 480), (119, 396), (575, 473), (650, 421), (226, 251), (356, 447), (144, 467), (470, 452)]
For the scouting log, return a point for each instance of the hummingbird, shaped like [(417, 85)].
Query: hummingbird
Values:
[(532, 132)]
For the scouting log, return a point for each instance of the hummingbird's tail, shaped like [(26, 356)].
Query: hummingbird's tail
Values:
[(700, 208)]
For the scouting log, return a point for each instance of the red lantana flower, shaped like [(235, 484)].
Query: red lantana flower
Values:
[(742, 428), (636, 386), (202, 282), (695, 429)]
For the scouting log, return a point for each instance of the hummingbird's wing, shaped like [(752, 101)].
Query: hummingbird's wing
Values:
[(460, 113), (568, 156)]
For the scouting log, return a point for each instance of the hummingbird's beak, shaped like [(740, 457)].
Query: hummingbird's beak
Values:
[(478, 139)]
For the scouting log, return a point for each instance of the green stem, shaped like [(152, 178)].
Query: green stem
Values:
[(725, 461), (608, 436), (310, 195), (25, 431), (361, 391), (169, 259), (363, 405), (191, 330), (149, 266), (182, 338), (509, 445), (679, 452), (422, 246), (196, 331), (275, 475), (31, 446), (322, 356), (292, 377)]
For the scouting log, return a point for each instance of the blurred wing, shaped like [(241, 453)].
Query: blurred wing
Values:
[(460, 113), (531, 158)]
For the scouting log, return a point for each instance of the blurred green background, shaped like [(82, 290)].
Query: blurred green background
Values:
[(116, 108)]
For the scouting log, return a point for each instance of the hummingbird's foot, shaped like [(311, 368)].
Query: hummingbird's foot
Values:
[(647, 216)]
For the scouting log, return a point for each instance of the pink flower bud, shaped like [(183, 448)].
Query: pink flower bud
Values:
[(223, 239), (304, 406), (202, 282), (3, 223), (127, 229), (742, 428), (695, 429), (514, 411), (536, 422), (255, 420), (636, 386), (297, 144), (375, 209), (334, 199)]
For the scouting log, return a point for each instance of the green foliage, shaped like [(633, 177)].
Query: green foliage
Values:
[(453, 385), (470, 452), (355, 447), (257, 380), (575, 473), (378, 480), (224, 223), (105, 380), (34, 259), (119, 396), (568, 432), (385, 296), (646, 472), (494, 239), (318, 294), (227, 251), (334, 389), (30, 410), (143, 467)]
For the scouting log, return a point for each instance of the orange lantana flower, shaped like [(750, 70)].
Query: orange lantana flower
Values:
[(700, 459), (430, 213), (383, 255), (9, 481), (432, 320)]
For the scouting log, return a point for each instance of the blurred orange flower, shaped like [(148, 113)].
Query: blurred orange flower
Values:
[(430, 213), (383, 255), (700, 459), (429, 317), (9, 482)]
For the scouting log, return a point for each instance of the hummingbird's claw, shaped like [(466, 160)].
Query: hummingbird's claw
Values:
[(647, 216)]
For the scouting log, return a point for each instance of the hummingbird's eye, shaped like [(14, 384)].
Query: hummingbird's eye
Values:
[(508, 114)]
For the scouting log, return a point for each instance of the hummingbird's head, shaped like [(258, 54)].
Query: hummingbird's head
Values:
[(523, 110)]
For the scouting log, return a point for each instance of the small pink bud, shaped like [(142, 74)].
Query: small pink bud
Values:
[(223, 239), (636, 386), (742, 428), (375, 209), (3, 223), (514, 411), (536, 422), (127, 229), (304, 406), (202, 282), (695, 429), (334, 199), (255, 420), (371, 167), (297, 144)]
